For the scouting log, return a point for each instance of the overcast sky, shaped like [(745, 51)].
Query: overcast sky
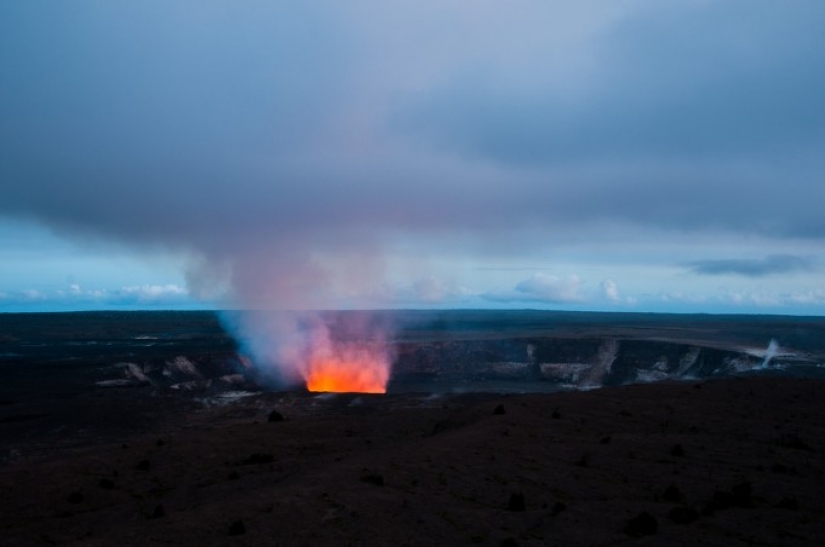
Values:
[(594, 155)]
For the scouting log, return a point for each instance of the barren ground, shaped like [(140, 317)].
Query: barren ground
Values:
[(723, 462)]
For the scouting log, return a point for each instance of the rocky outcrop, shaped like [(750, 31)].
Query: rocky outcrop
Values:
[(196, 373)]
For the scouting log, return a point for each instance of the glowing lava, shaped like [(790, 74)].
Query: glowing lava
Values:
[(342, 367)]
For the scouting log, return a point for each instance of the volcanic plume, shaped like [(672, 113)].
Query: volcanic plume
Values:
[(357, 366), (326, 352)]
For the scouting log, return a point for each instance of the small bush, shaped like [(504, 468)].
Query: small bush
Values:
[(237, 528), (643, 524), (672, 494), (683, 515), (516, 502), (373, 478), (788, 503), (75, 497), (259, 458)]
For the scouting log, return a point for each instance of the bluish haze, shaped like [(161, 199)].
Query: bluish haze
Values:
[(594, 155)]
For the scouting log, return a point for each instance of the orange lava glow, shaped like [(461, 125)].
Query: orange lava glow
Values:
[(348, 370)]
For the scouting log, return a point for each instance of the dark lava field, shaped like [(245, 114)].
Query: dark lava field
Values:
[(498, 428)]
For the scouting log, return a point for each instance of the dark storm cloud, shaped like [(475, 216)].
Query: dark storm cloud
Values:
[(680, 80), (770, 265), (264, 136), (163, 122), (697, 116)]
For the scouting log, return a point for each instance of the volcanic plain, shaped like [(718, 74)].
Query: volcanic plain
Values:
[(725, 447)]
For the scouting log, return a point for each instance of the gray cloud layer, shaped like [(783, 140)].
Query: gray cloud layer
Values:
[(676, 81), (265, 136)]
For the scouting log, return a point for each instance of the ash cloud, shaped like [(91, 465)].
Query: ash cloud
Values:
[(759, 267)]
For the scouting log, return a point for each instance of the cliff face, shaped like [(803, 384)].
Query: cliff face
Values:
[(579, 362), (546, 363), (190, 351)]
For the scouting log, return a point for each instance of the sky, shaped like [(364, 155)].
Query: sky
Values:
[(616, 155)]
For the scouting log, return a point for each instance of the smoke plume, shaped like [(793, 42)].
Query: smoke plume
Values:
[(326, 351)]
